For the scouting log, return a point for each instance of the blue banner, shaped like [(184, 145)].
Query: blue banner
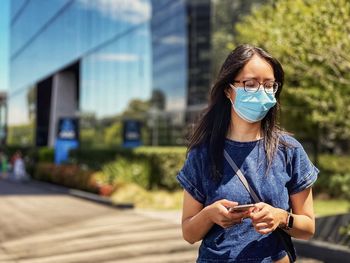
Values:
[(67, 139), (131, 133)]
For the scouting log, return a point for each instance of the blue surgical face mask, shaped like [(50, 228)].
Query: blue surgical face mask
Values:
[(252, 106)]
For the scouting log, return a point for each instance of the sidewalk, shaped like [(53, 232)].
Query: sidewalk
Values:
[(39, 225)]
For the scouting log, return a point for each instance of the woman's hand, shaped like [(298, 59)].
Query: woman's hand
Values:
[(218, 213), (266, 218)]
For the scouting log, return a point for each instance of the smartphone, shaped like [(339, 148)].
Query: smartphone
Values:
[(240, 208)]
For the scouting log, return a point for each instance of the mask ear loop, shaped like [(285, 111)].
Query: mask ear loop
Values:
[(233, 87)]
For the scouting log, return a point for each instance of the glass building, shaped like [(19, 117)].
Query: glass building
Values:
[(107, 61)]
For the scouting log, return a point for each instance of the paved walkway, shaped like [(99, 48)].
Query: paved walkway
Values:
[(41, 226)]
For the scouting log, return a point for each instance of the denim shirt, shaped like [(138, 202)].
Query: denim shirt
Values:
[(290, 172)]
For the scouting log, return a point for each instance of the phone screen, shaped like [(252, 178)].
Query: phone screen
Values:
[(240, 208)]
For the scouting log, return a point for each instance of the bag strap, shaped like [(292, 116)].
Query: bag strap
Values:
[(241, 177)]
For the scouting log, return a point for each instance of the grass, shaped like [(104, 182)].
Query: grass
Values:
[(331, 207), (155, 200)]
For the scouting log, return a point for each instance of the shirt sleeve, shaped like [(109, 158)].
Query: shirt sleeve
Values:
[(190, 176), (303, 173)]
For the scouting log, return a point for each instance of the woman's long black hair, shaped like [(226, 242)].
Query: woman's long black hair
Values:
[(212, 128)]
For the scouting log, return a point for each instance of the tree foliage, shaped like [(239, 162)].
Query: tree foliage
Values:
[(226, 13), (107, 131), (311, 38)]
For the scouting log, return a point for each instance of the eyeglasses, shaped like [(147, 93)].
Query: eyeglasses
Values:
[(252, 85)]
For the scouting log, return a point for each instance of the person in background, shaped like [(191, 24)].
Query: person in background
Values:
[(241, 122), (19, 171), (4, 166)]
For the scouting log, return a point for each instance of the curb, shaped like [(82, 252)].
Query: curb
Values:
[(324, 251), (81, 194)]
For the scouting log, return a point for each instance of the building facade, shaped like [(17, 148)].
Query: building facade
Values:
[(106, 61)]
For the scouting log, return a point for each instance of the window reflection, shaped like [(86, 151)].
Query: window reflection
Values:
[(35, 10), (21, 117), (151, 64), (16, 7), (74, 33), (113, 80)]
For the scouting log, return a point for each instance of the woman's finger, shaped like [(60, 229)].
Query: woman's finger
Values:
[(227, 203), (264, 231), (260, 226), (239, 215), (258, 216)]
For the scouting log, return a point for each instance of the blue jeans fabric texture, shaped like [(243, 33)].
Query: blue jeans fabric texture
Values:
[(291, 172)]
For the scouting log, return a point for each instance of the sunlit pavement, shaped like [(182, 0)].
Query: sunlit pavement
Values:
[(38, 225), (41, 226)]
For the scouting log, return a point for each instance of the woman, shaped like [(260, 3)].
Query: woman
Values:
[(241, 119)]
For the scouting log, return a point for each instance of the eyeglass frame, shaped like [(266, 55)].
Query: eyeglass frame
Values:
[(260, 84)]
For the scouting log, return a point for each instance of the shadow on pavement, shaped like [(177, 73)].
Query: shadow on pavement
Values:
[(8, 187), (34, 187)]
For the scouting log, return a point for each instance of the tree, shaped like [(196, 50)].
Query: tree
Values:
[(22, 135), (136, 109), (225, 14), (113, 134), (311, 39)]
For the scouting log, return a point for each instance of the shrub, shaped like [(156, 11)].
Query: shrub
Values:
[(125, 171), (340, 185), (334, 164), (46, 154), (132, 193), (95, 158), (334, 177), (149, 167), (165, 163), (71, 176)]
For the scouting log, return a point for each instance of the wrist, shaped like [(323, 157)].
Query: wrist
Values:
[(283, 219), (207, 213), (287, 221)]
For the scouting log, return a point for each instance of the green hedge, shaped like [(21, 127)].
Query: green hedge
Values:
[(150, 167), (334, 177), (157, 167), (46, 154), (124, 170), (95, 158), (334, 164), (69, 175), (42, 154), (165, 163)]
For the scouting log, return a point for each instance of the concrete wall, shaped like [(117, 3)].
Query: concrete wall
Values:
[(64, 101)]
